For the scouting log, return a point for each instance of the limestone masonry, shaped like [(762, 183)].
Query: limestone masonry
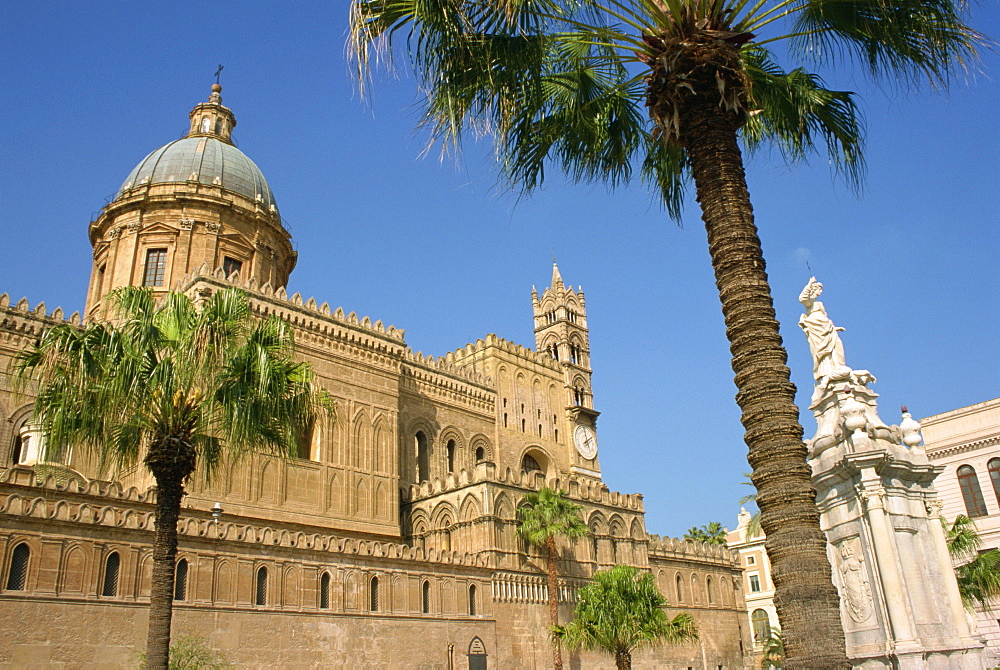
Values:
[(389, 542)]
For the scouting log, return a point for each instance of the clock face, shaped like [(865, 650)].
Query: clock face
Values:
[(585, 440)]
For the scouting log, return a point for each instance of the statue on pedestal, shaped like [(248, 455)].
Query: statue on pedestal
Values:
[(824, 342)]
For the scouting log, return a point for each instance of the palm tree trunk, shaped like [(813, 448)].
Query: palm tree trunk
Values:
[(550, 564), (623, 660), (807, 602), (161, 593)]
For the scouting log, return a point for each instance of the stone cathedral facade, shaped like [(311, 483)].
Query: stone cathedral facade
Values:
[(389, 542)]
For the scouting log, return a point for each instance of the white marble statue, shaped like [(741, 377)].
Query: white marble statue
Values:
[(824, 342)]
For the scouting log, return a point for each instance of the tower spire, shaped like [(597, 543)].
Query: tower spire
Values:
[(557, 280)]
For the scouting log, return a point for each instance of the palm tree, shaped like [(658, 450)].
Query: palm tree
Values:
[(542, 517), (180, 386), (774, 650), (713, 533), (669, 88), (978, 573), (621, 611)]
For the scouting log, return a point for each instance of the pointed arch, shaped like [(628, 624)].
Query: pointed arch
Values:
[(381, 501), (361, 438), (291, 585), (361, 502), (224, 582), (335, 494), (74, 570), (471, 509), (381, 445), (481, 448), (267, 491)]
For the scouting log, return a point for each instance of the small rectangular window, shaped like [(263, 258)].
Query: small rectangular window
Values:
[(156, 267), (751, 560), (754, 583), (231, 265)]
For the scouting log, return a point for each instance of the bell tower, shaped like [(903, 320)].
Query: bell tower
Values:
[(561, 332)]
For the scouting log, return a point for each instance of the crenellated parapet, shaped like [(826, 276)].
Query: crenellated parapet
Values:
[(582, 489), (685, 550), (483, 347)]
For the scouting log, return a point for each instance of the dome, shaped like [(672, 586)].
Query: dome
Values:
[(207, 160)]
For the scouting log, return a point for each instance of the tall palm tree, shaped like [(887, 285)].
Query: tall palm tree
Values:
[(670, 88), (774, 650), (621, 611), (178, 386), (978, 572), (543, 517)]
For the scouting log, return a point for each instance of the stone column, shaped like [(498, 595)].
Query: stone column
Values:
[(893, 585)]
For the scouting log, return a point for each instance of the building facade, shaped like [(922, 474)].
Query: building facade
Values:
[(390, 540), (758, 587), (966, 441)]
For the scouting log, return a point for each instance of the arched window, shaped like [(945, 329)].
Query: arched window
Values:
[(594, 546), (181, 580), (480, 454), (425, 597), (111, 566), (971, 493), (451, 455), (304, 438), (423, 457), (218, 126), (446, 538), (529, 464), (761, 626), (708, 590), (373, 594), (260, 593), (18, 575), (324, 591), (680, 588), (20, 449), (473, 607), (994, 468)]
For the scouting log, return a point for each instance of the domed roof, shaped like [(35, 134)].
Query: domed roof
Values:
[(205, 159)]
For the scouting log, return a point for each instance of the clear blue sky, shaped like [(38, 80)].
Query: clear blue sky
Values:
[(87, 89)]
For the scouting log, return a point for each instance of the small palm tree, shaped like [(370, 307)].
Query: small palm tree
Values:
[(774, 650), (178, 386), (713, 533), (753, 528), (605, 90), (621, 611), (543, 517), (978, 573)]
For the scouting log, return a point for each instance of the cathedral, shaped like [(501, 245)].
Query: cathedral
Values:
[(390, 540)]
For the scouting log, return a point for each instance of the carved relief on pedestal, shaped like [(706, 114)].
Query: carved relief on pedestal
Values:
[(855, 586)]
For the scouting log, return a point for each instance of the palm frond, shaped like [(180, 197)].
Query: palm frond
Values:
[(894, 38), (795, 111)]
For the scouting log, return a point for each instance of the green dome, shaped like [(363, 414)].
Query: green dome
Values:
[(207, 160)]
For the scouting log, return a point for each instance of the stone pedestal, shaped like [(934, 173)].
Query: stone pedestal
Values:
[(899, 599), (900, 603)]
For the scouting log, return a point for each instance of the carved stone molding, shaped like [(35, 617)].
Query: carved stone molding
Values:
[(113, 233), (186, 224), (856, 590), (134, 227), (213, 227)]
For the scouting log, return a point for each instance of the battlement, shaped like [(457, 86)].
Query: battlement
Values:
[(577, 488), (22, 307), (493, 341), (676, 548)]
